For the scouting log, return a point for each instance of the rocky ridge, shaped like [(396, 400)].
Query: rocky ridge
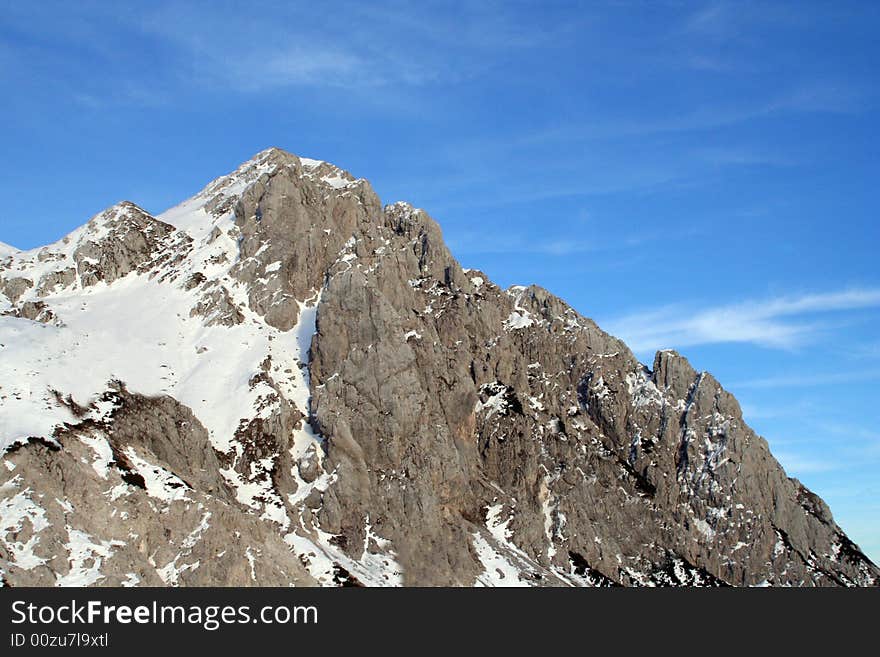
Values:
[(282, 381)]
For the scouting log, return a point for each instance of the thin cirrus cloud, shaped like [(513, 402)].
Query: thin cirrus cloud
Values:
[(784, 322), (809, 381), (827, 97), (266, 47), (468, 243), (801, 465), (293, 46)]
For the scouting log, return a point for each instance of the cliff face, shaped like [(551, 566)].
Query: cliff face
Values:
[(281, 381)]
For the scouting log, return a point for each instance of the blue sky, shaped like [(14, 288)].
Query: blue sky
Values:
[(696, 175)]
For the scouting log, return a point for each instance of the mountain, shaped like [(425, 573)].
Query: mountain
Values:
[(280, 381)]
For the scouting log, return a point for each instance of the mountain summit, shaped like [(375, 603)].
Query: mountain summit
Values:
[(280, 381)]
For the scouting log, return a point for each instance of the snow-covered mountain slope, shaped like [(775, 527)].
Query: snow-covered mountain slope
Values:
[(280, 381), (6, 250)]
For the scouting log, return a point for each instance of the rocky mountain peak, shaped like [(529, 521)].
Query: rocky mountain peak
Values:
[(673, 372), (281, 380)]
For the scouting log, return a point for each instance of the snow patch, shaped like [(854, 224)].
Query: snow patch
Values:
[(503, 562), (518, 319), (85, 558), (103, 453), (497, 399), (642, 390), (497, 570), (7, 250), (704, 528), (14, 511), (131, 580), (160, 483)]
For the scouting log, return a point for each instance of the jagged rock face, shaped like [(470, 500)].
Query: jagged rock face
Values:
[(280, 381)]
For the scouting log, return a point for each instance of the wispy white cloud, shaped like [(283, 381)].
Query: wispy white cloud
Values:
[(829, 97), (819, 446), (128, 94), (354, 45), (298, 65), (732, 35), (740, 156), (772, 409), (713, 20), (783, 322), (798, 464), (810, 455), (176, 48), (809, 379), (726, 20), (869, 350), (512, 244), (853, 432), (556, 241)]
